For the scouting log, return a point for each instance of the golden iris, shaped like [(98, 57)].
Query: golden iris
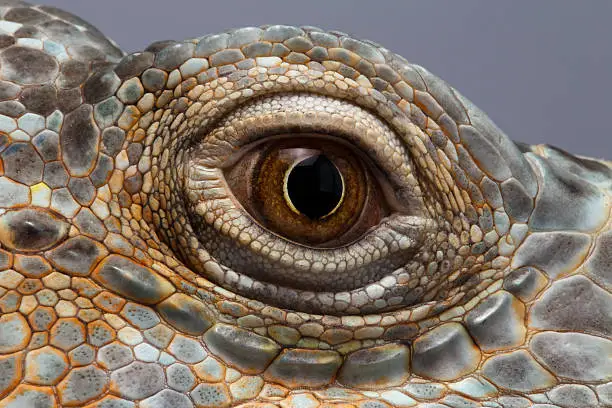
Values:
[(310, 190)]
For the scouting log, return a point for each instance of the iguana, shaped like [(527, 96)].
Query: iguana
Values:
[(283, 216)]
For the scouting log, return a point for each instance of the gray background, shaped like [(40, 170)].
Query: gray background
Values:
[(541, 70)]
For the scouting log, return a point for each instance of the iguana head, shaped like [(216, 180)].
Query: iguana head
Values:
[(283, 216)]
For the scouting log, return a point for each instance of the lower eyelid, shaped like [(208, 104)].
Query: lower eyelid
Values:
[(393, 243), (210, 197)]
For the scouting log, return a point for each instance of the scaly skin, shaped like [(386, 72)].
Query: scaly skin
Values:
[(130, 275)]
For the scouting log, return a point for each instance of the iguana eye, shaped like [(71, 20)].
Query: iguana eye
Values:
[(304, 194), (308, 189)]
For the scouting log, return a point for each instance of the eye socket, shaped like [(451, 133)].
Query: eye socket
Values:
[(317, 265), (308, 189)]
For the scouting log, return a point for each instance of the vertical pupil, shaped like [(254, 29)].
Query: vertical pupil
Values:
[(315, 186)]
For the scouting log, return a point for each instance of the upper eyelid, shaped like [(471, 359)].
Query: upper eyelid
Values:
[(351, 123)]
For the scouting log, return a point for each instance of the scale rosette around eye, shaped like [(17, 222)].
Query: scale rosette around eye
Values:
[(240, 207)]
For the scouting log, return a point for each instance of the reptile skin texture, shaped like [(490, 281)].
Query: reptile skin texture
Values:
[(135, 273)]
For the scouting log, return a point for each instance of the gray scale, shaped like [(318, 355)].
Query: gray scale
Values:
[(77, 256), (517, 371), (180, 377), (114, 402), (45, 366), (498, 322), (525, 283), (67, 334), (135, 281), (604, 393), (24, 164), (8, 369), (569, 249), (83, 384), (42, 319), (33, 397), (100, 335), (387, 365), (583, 203), (597, 267), (79, 140), (574, 303), (89, 224), (82, 190), (243, 349), (573, 395), (138, 380), (140, 316), (210, 395), (45, 228), (445, 353), (167, 398), (159, 335), (82, 355), (574, 356), (114, 356), (299, 367), (185, 313), (187, 350)]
